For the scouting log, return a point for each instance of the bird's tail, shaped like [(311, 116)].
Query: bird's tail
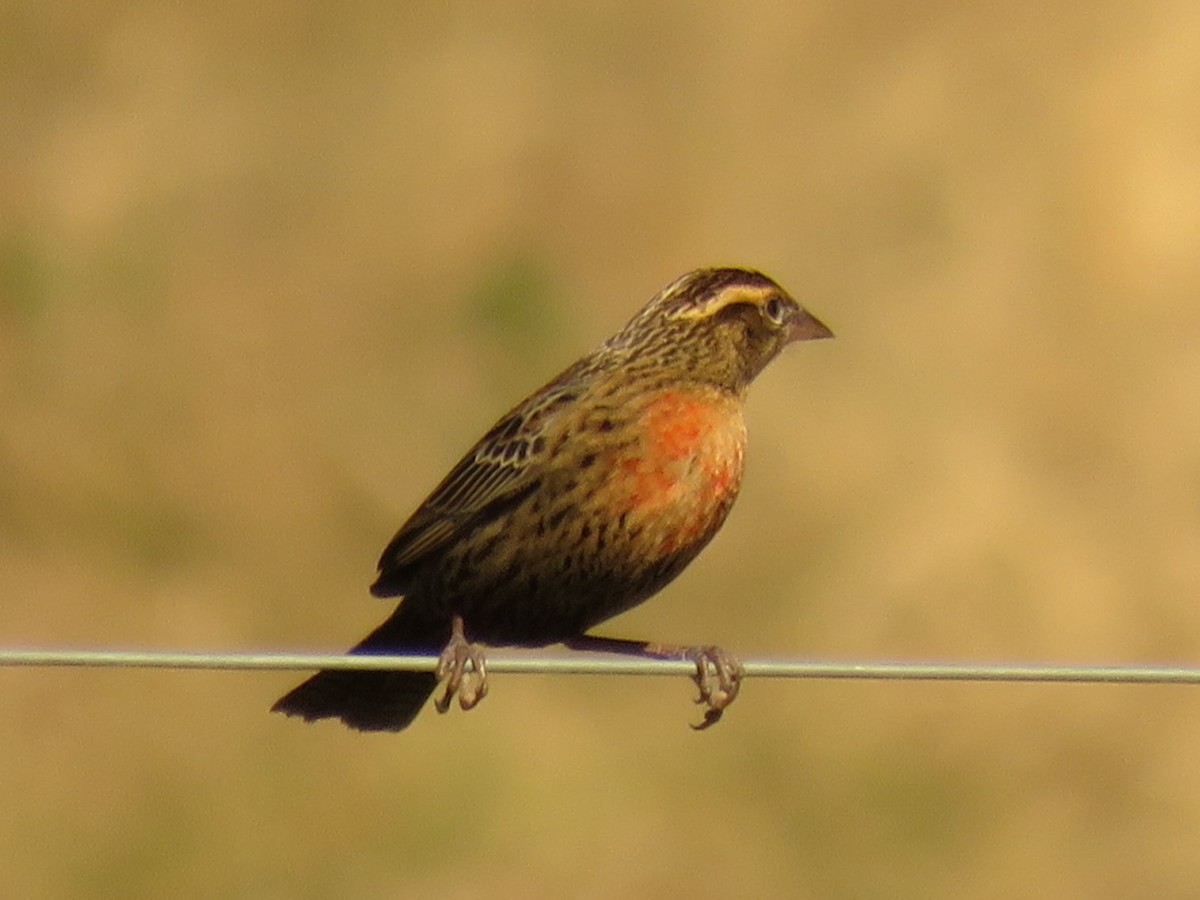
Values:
[(374, 700)]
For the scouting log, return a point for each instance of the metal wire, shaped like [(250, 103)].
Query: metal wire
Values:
[(584, 664)]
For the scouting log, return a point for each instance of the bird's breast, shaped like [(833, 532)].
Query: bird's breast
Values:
[(679, 479)]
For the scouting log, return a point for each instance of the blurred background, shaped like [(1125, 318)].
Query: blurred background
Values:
[(266, 271)]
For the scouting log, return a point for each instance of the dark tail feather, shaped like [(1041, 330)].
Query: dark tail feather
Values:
[(373, 701)]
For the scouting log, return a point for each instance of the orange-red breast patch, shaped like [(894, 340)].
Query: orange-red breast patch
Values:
[(685, 472)]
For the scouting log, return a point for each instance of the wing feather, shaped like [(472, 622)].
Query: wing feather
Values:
[(502, 466)]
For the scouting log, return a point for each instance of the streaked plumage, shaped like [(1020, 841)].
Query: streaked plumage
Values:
[(585, 499)]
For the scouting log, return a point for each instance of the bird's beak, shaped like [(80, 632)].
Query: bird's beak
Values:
[(807, 327)]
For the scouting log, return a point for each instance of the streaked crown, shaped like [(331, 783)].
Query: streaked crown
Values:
[(715, 325)]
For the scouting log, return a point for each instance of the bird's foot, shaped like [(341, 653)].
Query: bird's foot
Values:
[(718, 674), (719, 677), (464, 669)]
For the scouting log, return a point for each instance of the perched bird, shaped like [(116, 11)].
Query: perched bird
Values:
[(584, 500)]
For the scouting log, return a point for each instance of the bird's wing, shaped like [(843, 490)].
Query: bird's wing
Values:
[(499, 471)]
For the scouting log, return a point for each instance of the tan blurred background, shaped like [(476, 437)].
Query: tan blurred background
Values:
[(266, 270)]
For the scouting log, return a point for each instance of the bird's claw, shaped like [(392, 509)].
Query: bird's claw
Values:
[(718, 677), (464, 669)]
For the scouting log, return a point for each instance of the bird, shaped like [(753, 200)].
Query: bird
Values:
[(581, 502)]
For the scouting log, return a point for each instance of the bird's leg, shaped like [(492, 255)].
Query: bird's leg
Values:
[(464, 668), (718, 674)]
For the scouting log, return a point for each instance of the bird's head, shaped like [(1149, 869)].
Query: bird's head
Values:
[(720, 326)]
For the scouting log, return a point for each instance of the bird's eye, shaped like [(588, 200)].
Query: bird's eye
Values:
[(776, 310)]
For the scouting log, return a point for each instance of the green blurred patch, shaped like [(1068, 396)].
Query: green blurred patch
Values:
[(160, 533), (516, 321), (924, 804), (24, 277), (512, 304)]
